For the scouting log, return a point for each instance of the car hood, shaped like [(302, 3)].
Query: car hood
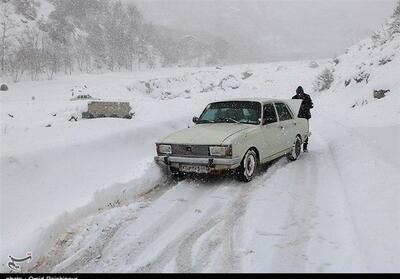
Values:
[(210, 134)]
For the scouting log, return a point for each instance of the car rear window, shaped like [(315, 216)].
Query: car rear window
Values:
[(283, 112)]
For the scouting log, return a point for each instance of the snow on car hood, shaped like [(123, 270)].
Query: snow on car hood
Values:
[(213, 133)]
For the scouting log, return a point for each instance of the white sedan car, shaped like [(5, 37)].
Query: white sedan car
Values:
[(235, 135)]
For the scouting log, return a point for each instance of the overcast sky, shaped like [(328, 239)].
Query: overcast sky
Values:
[(265, 30)]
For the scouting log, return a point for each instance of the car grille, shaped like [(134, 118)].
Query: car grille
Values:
[(190, 150)]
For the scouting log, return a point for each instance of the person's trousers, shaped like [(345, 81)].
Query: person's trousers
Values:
[(305, 144)]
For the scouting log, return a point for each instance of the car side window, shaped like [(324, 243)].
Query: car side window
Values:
[(283, 112), (269, 114)]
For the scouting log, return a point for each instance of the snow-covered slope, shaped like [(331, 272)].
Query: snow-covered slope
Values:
[(22, 15), (372, 66)]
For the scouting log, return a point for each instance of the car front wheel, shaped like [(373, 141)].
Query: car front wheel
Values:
[(248, 166)]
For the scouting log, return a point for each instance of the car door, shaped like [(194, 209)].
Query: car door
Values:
[(286, 126), (270, 132)]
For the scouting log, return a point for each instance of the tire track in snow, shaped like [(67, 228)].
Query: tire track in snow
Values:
[(224, 222), (54, 259), (301, 248), (180, 248), (354, 228), (292, 246), (368, 186), (226, 202), (232, 220), (138, 244)]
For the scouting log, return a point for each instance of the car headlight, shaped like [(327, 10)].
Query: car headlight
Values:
[(164, 149), (225, 151)]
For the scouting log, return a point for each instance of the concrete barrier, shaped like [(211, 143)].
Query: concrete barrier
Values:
[(100, 109)]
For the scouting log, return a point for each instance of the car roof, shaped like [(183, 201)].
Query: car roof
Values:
[(259, 100)]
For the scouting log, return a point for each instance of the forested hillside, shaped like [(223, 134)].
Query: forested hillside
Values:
[(41, 38)]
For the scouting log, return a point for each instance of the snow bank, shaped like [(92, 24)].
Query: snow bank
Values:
[(40, 185), (115, 196)]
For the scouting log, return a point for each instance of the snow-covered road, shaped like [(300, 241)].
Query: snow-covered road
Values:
[(311, 215), (97, 202)]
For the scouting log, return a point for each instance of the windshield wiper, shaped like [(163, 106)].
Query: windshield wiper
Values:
[(247, 121), (228, 119), (205, 121)]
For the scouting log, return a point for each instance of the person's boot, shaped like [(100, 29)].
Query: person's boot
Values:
[(305, 147)]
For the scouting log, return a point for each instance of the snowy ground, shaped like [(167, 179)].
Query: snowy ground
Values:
[(86, 196)]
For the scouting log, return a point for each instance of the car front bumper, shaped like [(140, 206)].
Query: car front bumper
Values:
[(211, 164)]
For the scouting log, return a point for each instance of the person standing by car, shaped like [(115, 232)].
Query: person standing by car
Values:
[(305, 107)]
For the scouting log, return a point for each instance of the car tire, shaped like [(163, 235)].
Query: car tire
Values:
[(295, 151), (248, 166)]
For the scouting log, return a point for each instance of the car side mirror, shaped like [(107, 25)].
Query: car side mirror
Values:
[(195, 119)]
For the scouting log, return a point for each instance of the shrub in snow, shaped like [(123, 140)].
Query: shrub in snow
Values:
[(229, 82), (280, 68), (324, 80), (396, 12), (3, 87), (395, 26), (246, 75), (361, 77), (376, 38), (208, 88), (385, 60), (166, 95), (313, 64), (379, 94), (360, 103), (336, 61)]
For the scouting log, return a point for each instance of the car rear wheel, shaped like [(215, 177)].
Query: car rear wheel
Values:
[(296, 150), (248, 166)]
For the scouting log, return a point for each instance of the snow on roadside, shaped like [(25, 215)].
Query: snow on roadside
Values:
[(39, 185)]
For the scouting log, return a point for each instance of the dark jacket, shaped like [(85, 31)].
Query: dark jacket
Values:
[(306, 105)]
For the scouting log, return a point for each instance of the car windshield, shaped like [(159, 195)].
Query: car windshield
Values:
[(232, 112)]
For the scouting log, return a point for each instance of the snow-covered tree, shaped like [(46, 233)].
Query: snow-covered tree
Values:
[(396, 12), (92, 35), (7, 23), (323, 80), (395, 24), (27, 8)]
